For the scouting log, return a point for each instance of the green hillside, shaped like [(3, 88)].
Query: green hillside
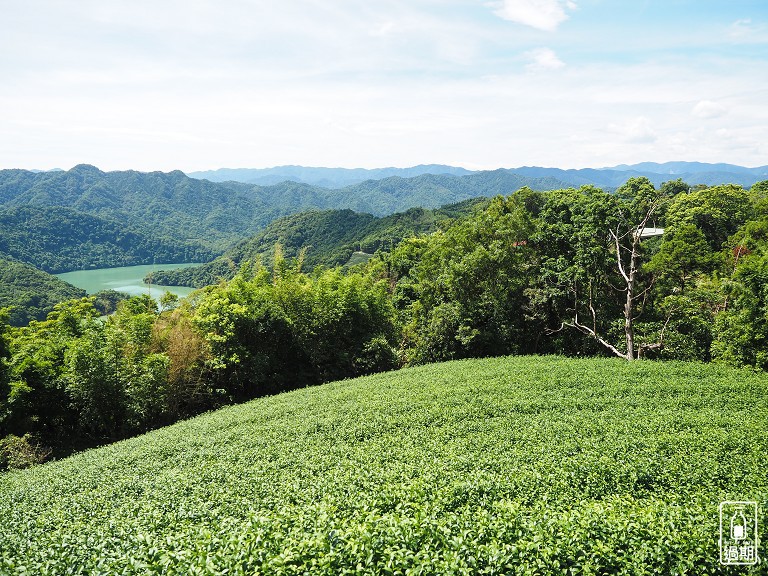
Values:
[(215, 215), (329, 238), (58, 239), (194, 211), (518, 465), (31, 293)]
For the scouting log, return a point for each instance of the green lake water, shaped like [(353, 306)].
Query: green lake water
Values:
[(128, 279)]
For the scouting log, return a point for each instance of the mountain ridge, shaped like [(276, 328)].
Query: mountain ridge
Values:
[(321, 176), (609, 177)]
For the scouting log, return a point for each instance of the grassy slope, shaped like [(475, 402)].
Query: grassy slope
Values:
[(502, 465)]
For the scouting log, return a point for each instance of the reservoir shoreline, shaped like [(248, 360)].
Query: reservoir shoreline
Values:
[(128, 279)]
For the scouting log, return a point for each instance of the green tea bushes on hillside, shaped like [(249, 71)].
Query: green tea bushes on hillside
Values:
[(524, 465)]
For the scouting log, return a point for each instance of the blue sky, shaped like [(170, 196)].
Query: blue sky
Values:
[(198, 84)]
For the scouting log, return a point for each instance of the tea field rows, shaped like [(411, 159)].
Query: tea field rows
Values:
[(519, 465)]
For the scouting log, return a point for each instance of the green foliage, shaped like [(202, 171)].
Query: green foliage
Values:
[(30, 293), (529, 273), (742, 329), (38, 401), (21, 452), (76, 378), (106, 301), (576, 267), (461, 293), (60, 239), (5, 354), (718, 211), (274, 331), (204, 215), (684, 253), (93, 381), (326, 238), (60, 221), (504, 466)]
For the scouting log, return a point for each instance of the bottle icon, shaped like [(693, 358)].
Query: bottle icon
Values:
[(738, 524), (738, 541)]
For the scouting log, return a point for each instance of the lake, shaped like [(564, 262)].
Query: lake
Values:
[(129, 279)]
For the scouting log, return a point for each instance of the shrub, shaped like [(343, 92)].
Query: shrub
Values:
[(21, 452)]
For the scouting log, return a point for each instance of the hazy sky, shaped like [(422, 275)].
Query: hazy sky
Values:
[(201, 84)]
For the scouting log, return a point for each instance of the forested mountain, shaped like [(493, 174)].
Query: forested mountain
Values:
[(325, 177), (329, 238), (213, 213), (58, 239), (567, 271), (679, 168), (30, 293), (84, 217), (192, 211), (394, 194)]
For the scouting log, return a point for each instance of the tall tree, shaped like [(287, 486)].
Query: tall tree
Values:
[(596, 227)]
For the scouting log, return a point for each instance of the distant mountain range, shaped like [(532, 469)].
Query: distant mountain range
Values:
[(612, 177), (324, 177), (84, 218)]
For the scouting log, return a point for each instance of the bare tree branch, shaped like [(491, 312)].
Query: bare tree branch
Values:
[(587, 330), (618, 256)]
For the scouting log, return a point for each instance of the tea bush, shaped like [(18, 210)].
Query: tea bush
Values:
[(519, 465)]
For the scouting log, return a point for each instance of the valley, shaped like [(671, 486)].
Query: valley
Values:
[(305, 288)]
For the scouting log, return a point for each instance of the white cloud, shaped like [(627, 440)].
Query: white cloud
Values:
[(382, 29), (636, 131), (544, 15), (747, 31), (195, 85), (707, 109), (542, 59)]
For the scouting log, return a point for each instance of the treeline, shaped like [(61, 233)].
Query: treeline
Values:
[(667, 273), (76, 380)]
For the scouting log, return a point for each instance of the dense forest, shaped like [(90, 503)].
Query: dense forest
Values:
[(85, 218), (227, 211), (323, 238), (194, 211), (28, 293), (672, 272), (59, 239)]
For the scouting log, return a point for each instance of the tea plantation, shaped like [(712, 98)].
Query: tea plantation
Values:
[(521, 465)]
